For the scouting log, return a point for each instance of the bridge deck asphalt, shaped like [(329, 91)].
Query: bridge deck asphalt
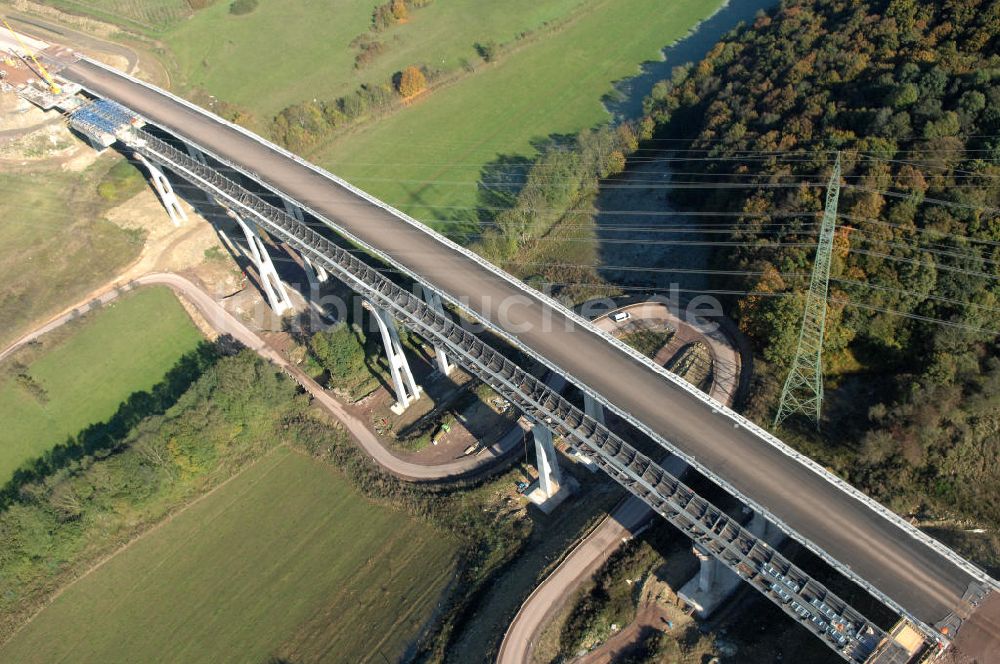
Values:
[(915, 576)]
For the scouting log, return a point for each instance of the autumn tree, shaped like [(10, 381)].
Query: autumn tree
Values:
[(412, 82), (399, 10)]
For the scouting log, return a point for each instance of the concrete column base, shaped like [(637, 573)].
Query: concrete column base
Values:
[(537, 496), (715, 582)]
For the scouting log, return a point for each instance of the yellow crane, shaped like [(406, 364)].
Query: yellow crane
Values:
[(53, 86)]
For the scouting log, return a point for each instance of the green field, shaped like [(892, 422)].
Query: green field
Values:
[(286, 561), (88, 371), (432, 153), (280, 55), (146, 15), (54, 246)]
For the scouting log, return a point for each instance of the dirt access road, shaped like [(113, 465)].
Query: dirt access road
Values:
[(223, 322)]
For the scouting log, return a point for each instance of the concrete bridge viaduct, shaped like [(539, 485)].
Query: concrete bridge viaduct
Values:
[(926, 583)]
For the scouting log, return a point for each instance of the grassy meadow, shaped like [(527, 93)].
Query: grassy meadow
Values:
[(55, 247), (279, 55), (287, 561), (427, 159), (79, 376)]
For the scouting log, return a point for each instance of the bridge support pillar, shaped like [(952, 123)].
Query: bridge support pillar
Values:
[(199, 156), (593, 408), (294, 210), (715, 582), (316, 274), (760, 526), (402, 378), (196, 154), (708, 571), (434, 300), (550, 490), (549, 477), (164, 190), (274, 289)]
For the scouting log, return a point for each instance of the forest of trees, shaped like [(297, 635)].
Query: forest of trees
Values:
[(907, 92)]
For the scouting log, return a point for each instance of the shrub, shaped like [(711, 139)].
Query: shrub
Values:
[(412, 82), (300, 125), (368, 50), (488, 51), (382, 17), (241, 7)]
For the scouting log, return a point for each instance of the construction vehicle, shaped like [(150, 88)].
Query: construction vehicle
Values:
[(53, 86)]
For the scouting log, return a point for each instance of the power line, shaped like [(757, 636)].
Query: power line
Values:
[(912, 261), (914, 229), (866, 237), (925, 200), (838, 300), (903, 291)]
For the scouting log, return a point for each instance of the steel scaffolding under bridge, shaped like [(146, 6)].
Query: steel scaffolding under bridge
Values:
[(904, 568)]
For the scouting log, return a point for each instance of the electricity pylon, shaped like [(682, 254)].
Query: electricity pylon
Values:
[(803, 390)]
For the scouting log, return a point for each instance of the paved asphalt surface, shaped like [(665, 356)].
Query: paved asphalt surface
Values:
[(911, 573)]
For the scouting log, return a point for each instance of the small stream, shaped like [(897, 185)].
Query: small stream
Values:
[(637, 200)]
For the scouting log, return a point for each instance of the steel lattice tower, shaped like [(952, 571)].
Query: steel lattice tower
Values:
[(803, 390)]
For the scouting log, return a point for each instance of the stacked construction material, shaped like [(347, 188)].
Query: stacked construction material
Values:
[(103, 121)]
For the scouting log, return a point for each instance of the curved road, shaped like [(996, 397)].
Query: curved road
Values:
[(224, 322)]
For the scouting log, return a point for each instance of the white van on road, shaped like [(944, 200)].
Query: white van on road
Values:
[(620, 316)]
